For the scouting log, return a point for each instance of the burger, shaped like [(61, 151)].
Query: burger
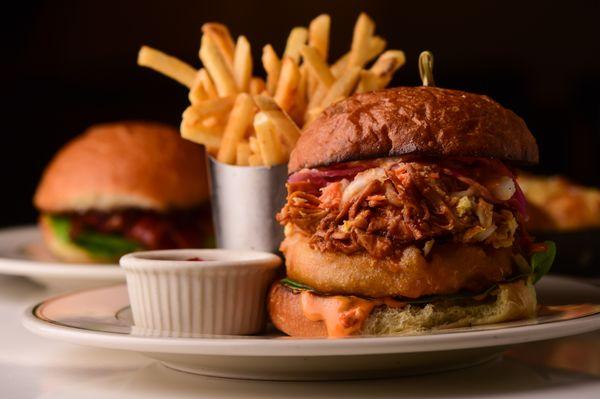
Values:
[(122, 187), (403, 215)]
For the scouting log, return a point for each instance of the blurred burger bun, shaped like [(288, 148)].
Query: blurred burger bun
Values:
[(118, 167), (143, 165)]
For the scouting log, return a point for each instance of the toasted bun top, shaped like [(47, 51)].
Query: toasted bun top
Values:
[(124, 165), (426, 121)]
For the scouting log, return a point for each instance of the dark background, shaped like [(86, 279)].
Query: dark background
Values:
[(68, 65)]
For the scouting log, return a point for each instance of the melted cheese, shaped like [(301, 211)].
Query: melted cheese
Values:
[(342, 315)]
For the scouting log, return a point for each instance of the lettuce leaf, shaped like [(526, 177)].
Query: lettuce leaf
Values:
[(541, 262), (61, 227), (417, 301), (99, 245), (296, 285), (105, 245)]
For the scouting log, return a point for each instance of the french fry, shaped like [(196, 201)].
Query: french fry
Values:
[(255, 160), (288, 84), (242, 64), (339, 65), (246, 120), (313, 108), (209, 137), (206, 82), (220, 36), (318, 38), (300, 101), (368, 82), (342, 87), (311, 86), (272, 65), (268, 140), (257, 86), (318, 34), (167, 65), (359, 50), (216, 122), (217, 67), (317, 66), (382, 71), (312, 114), (266, 103), (197, 94), (253, 145), (388, 62), (203, 88), (242, 153), (317, 97), (376, 46), (198, 112), (240, 119), (207, 131), (295, 41), (286, 128)]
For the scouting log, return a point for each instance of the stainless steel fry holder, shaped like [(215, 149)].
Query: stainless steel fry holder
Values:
[(245, 200)]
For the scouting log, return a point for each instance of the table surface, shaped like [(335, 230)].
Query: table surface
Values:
[(33, 367)]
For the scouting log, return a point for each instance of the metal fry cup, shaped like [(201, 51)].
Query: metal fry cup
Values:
[(245, 200)]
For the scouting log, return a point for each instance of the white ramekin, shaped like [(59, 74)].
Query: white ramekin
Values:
[(224, 293)]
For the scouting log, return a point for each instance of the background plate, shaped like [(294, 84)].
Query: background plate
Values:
[(22, 253)]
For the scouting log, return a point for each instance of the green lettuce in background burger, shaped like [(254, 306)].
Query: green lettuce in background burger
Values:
[(123, 187)]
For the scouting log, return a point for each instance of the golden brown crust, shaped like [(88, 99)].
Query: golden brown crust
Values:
[(414, 120), (447, 269), (121, 165)]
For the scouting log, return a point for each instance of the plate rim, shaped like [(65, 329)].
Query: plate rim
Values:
[(248, 346), (40, 269)]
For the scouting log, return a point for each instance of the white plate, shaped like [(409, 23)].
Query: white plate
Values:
[(101, 318), (22, 253)]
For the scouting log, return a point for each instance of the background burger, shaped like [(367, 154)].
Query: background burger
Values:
[(122, 187), (403, 214)]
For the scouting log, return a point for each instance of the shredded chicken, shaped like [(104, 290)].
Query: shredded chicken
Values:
[(396, 202)]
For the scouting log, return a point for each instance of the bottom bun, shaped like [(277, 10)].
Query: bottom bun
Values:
[(513, 301), (65, 250)]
